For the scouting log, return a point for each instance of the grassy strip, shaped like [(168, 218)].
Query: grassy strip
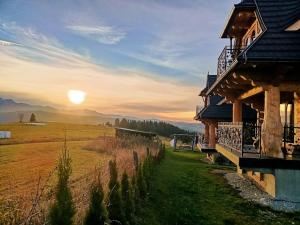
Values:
[(184, 192)]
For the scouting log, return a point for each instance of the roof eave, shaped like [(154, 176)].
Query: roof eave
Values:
[(234, 10)]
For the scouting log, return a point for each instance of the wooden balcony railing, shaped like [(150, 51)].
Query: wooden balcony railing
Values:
[(245, 138), (226, 58), (240, 137)]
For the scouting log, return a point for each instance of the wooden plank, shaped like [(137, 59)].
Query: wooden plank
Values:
[(250, 93)]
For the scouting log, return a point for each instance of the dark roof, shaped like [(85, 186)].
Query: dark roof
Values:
[(224, 112), (276, 44), (220, 112), (245, 3), (209, 82)]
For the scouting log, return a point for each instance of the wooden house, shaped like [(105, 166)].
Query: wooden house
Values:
[(213, 111), (261, 68)]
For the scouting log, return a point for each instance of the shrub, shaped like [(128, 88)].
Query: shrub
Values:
[(96, 214), (63, 210), (135, 193), (114, 207), (32, 118), (141, 184), (126, 193)]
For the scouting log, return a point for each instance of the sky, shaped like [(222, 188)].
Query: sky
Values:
[(131, 57)]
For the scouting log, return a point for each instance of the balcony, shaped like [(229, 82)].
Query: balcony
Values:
[(244, 139), (240, 138), (227, 57)]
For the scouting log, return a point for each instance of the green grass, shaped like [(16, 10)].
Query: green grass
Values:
[(185, 192)]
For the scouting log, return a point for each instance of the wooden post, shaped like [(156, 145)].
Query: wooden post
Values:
[(212, 135), (272, 129), (206, 134), (237, 109), (175, 142), (297, 117)]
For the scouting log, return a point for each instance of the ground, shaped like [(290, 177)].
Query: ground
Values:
[(32, 152), (185, 192)]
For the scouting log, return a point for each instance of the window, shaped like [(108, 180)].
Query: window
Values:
[(294, 27)]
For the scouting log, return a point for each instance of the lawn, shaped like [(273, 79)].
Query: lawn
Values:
[(185, 192)]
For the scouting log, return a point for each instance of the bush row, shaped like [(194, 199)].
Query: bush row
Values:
[(117, 207)]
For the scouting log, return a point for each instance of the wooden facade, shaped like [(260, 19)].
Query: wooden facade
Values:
[(260, 68)]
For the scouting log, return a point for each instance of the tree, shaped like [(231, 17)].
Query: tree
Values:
[(126, 193), (63, 209), (108, 124), (141, 184), (21, 117), (114, 207), (96, 214), (32, 118), (124, 123), (117, 122)]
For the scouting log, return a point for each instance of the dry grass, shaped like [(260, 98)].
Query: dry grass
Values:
[(28, 178), (53, 132)]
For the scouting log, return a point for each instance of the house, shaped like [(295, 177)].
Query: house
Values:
[(260, 68), (211, 113), (5, 134)]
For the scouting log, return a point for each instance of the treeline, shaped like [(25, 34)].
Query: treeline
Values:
[(158, 127)]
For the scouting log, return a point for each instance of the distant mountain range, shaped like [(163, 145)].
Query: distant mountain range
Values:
[(10, 111)]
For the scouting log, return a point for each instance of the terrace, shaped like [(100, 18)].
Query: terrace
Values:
[(242, 144)]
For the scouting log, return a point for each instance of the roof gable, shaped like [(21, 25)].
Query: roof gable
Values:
[(276, 44)]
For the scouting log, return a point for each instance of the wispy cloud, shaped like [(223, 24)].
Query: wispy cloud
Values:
[(102, 34), (7, 43)]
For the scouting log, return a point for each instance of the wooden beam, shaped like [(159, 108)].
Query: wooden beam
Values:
[(289, 87), (250, 93)]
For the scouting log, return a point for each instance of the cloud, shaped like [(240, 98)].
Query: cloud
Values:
[(102, 34), (110, 90), (7, 43)]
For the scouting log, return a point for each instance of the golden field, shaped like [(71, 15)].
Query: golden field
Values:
[(28, 163)]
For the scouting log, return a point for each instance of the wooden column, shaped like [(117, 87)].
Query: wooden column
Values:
[(272, 129), (212, 135), (237, 109), (297, 116), (206, 134)]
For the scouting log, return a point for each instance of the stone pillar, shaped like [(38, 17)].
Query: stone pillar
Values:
[(237, 109), (212, 135), (272, 129)]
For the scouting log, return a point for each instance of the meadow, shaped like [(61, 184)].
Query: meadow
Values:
[(28, 163)]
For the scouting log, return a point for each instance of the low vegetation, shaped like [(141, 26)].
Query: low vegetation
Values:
[(52, 132), (185, 191), (38, 196)]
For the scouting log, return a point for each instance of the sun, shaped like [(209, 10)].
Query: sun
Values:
[(76, 96)]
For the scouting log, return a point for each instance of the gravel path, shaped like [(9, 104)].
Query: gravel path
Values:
[(248, 190)]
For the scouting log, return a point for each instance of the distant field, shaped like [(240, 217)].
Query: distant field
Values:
[(33, 152), (51, 132)]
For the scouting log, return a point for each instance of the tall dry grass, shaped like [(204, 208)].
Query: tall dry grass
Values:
[(34, 210)]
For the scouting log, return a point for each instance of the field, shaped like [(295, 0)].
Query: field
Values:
[(52, 132), (33, 151), (29, 158)]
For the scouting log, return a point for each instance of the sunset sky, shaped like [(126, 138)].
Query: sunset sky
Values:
[(132, 57)]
